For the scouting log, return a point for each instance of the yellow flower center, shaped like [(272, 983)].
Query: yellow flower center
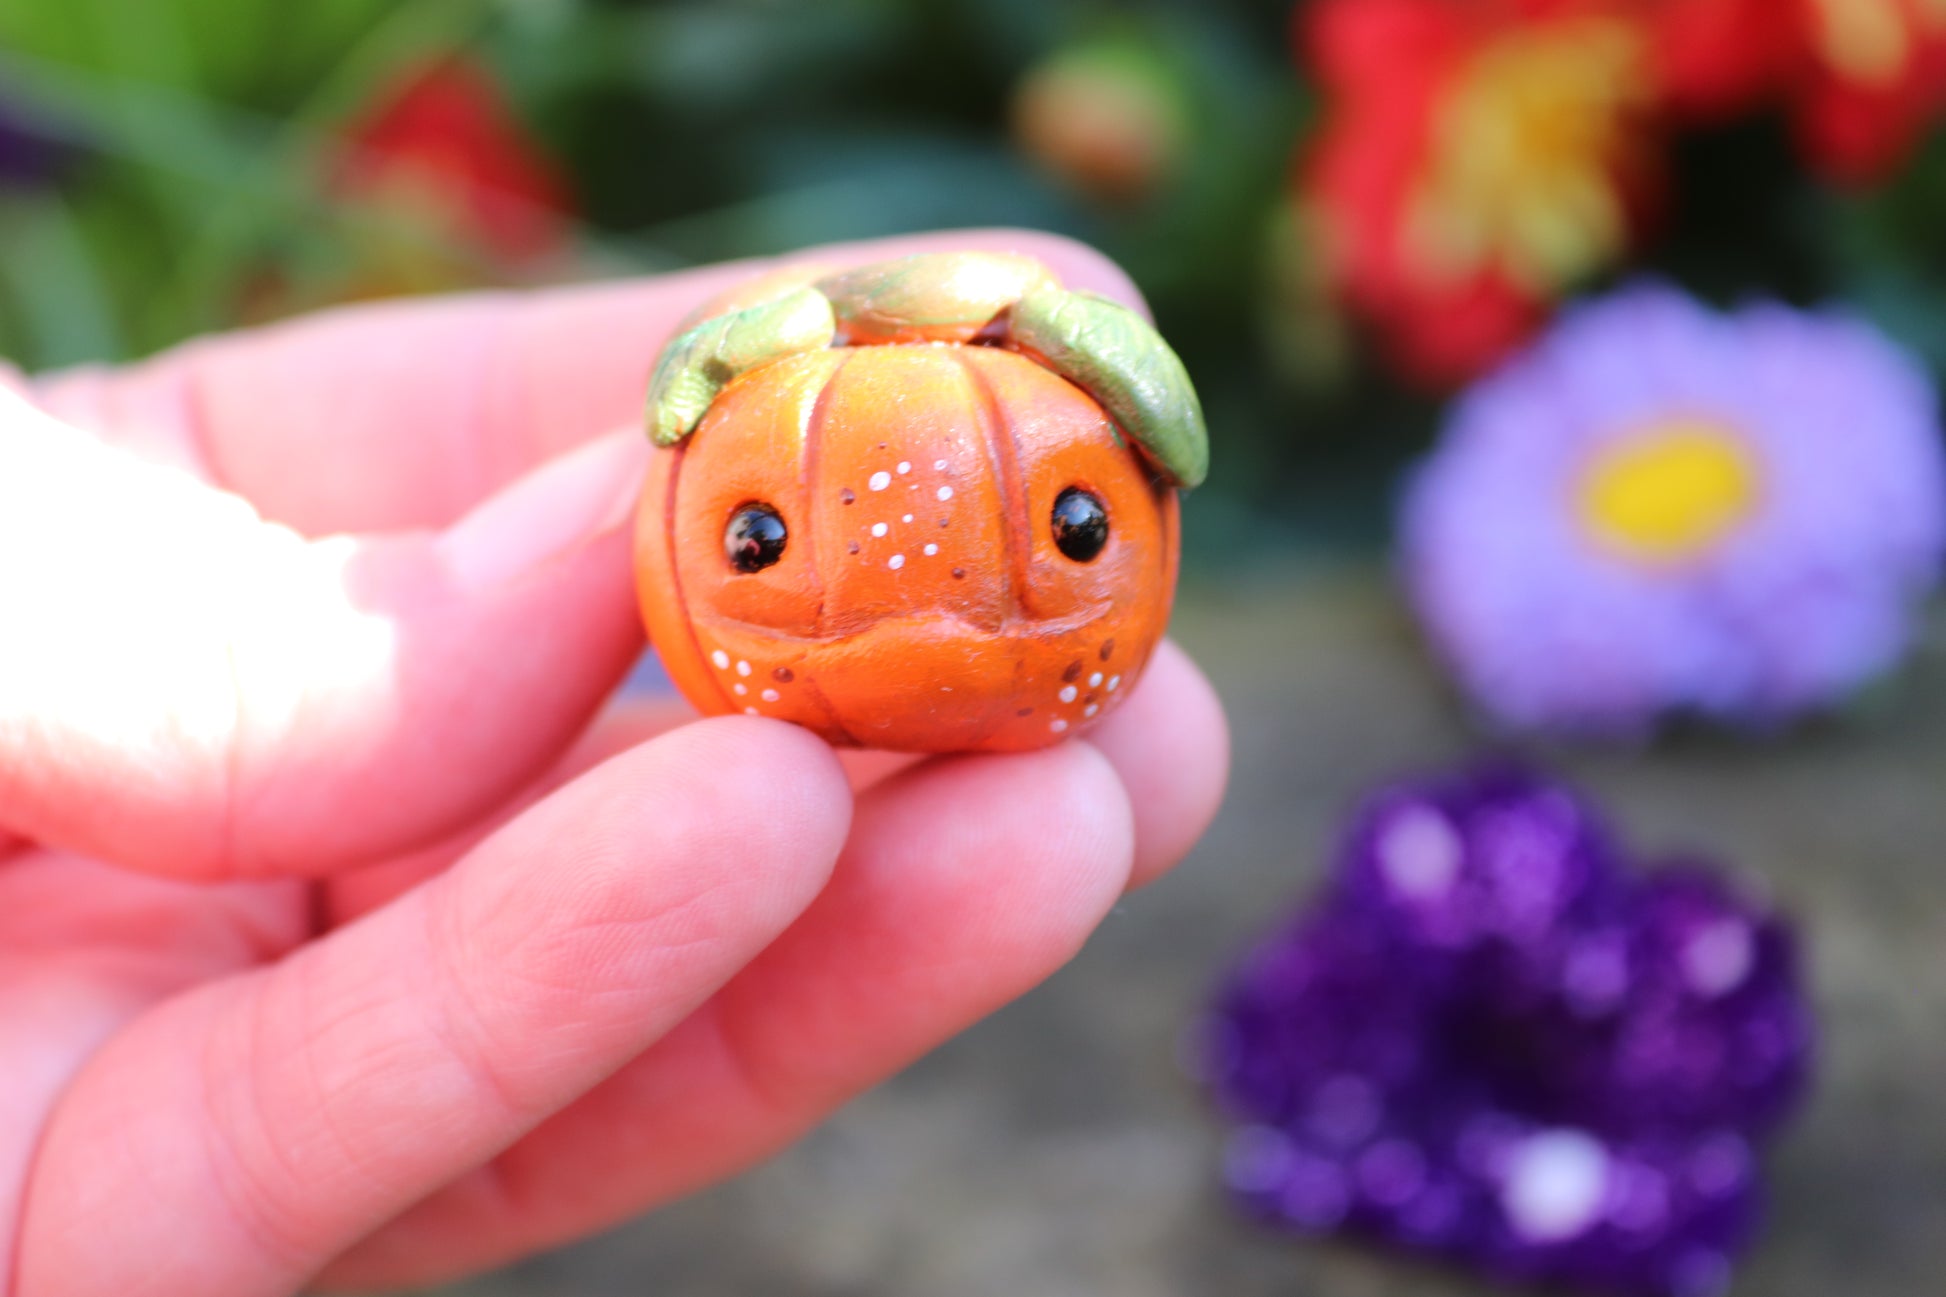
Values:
[(1669, 492), (1526, 145)]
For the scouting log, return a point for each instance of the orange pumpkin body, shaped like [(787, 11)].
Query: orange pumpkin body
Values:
[(920, 602)]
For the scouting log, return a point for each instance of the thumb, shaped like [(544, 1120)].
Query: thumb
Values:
[(189, 689)]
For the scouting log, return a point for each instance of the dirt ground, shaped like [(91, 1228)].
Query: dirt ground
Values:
[(1057, 1149)]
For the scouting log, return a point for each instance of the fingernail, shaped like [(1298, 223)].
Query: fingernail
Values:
[(548, 512)]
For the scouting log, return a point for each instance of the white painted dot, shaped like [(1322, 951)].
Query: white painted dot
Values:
[(1556, 1184), (1057, 725), (1114, 683), (878, 529), (945, 492), (1094, 681), (741, 688), (880, 480), (1420, 853), (907, 518), (770, 695), (721, 659), (1091, 709), (1068, 692), (904, 468), (743, 668), (939, 464), (751, 711), (896, 562), (931, 550)]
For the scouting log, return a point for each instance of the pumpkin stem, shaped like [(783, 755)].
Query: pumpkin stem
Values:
[(1104, 348), (930, 296)]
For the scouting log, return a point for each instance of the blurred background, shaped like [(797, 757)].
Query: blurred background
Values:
[(170, 167), (176, 166)]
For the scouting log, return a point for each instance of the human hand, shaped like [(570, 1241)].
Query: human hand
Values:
[(343, 932)]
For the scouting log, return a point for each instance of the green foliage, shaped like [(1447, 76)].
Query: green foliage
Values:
[(229, 49), (1890, 256), (695, 130), (199, 125)]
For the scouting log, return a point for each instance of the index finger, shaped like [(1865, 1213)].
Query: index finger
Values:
[(406, 414)]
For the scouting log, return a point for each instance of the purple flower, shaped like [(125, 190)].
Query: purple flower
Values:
[(1490, 1040), (1659, 509)]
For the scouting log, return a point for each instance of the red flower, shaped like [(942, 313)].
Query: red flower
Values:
[(1716, 58), (1862, 79), (1875, 80), (446, 145), (1476, 161)]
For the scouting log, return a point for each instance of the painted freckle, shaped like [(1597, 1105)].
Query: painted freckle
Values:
[(931, 550), (1073, 673), (896, 562), (1057, 725), (1025, 711), (847, 495), (743, 668), (1094, 681), (721, 659), (783, 675), (1067, 693), (904, 468), (959, 574), (1107, 647), (1113, 681), (851, 547), (945, 492), (770, 695), (880, 480), (878, 529)]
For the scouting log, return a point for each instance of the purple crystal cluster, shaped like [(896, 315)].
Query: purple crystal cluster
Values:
[(1493, 1041)]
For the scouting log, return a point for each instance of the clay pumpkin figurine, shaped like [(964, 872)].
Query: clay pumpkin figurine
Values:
[(927, 505)]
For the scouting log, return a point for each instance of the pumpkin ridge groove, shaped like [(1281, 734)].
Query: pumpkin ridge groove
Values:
[(1003, 449), (810, 687), (681, 452), (811, 437)]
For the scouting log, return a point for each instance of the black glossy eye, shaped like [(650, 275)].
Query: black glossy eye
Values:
[(1080, 524), (755, 537)]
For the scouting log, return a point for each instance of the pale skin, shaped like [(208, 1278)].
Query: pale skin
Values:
[(350, 933)]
